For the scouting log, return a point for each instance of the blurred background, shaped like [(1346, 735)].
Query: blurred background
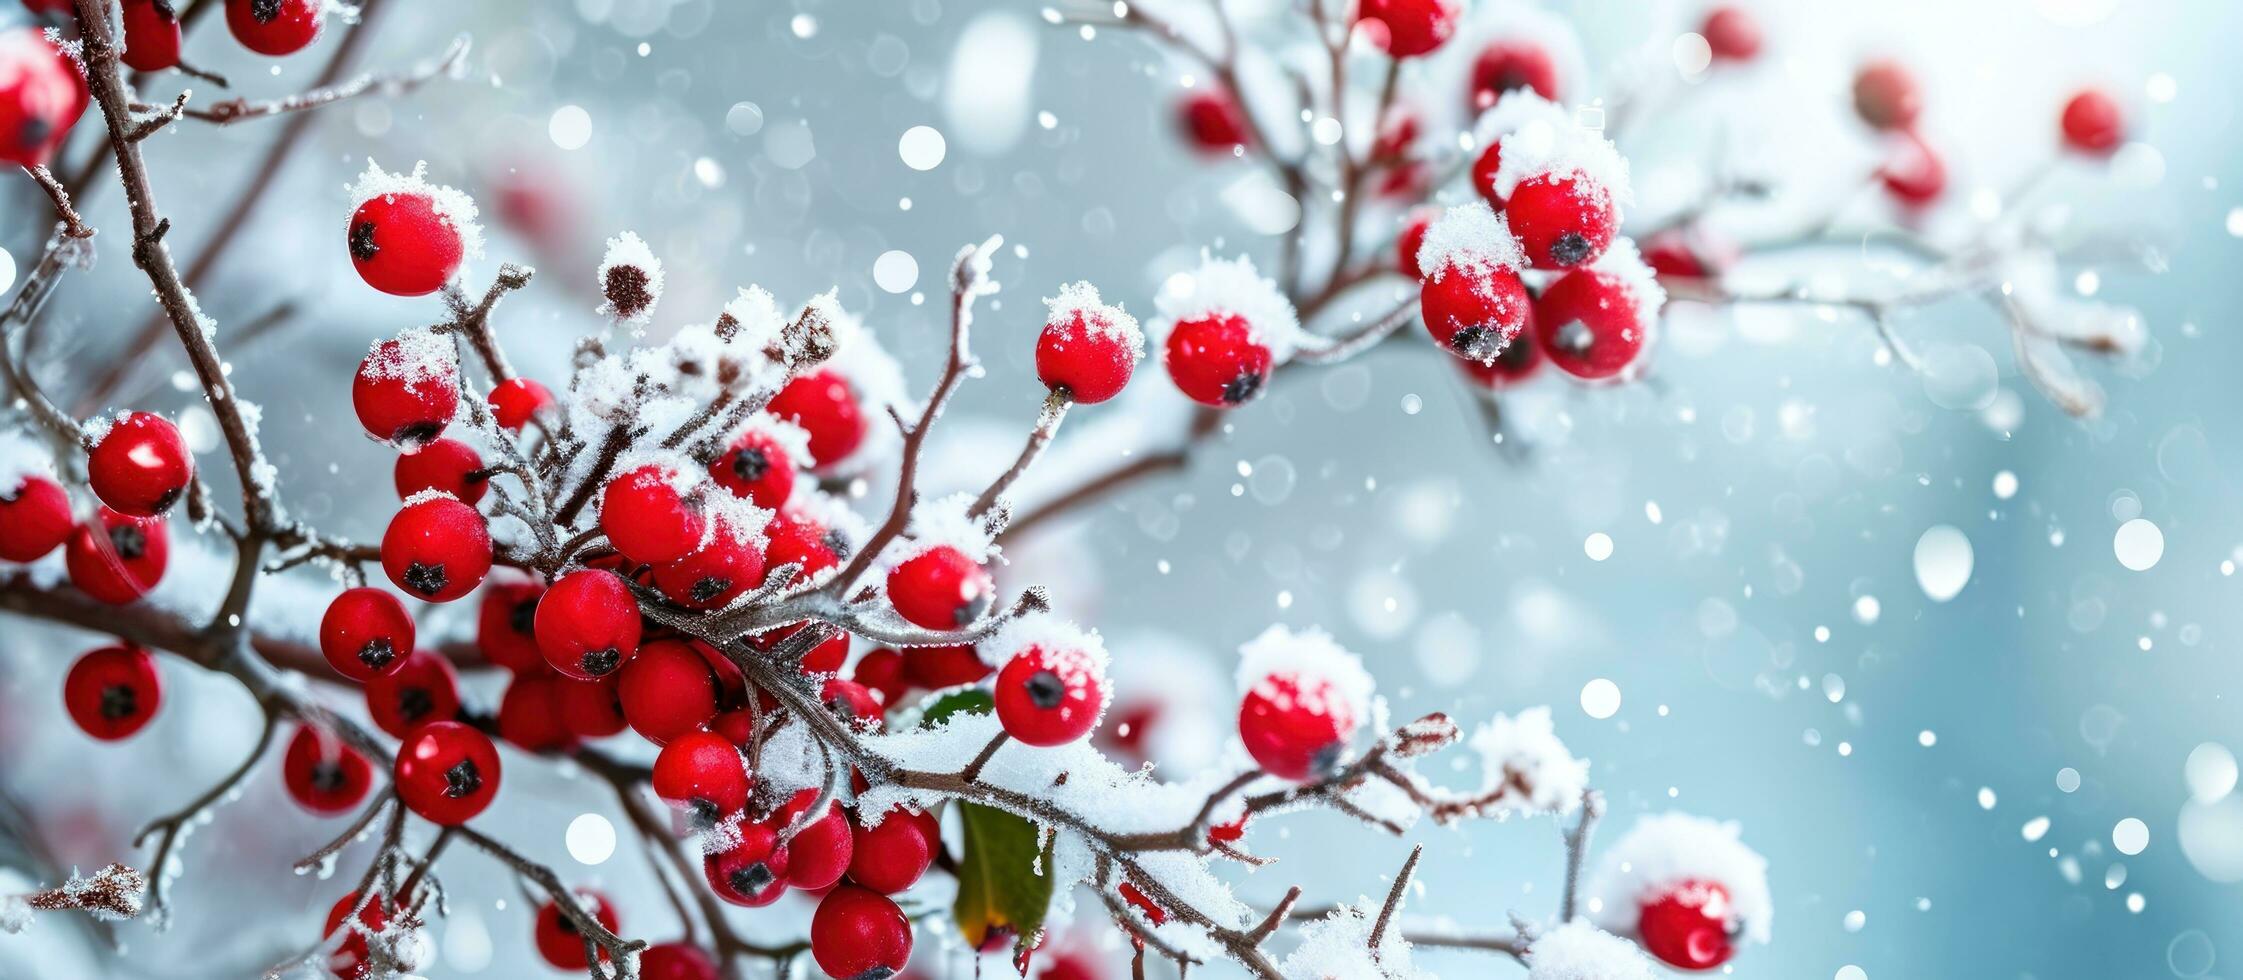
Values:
[(1942, 788)]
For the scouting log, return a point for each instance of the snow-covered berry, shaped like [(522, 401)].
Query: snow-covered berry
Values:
[(761, 463), (515, 402), (117, 558), (1472, 301), (1518, 361), (940, 588), (1305, 697), (1230, 328), (436, 548), (1088, 349), (407, 237), (750, 867), (825, 405), (275, 27), (1561, 220), (447, 466), (1053, 689), (1407, 28), (351, 957), (1687, 888), (407, 389), (112, 692), (139, 464), (651, 514), (727, 564), (1594, 323), (630, 279), (587, 624)]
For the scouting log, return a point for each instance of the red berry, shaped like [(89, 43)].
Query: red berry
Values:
[(1407, 28), (935, 668), (589, 709), (42, 95), (825, 658), (2093, 123), (1071, 965), (751, 869), (558, 938), (1295, 727), (1412, 239), (151, 35), (421, 691), (1484, 168), (825, 406), (112, 691), (795, 537), (1687, 927), (940, 589), (1518, 362), (702, 773), (1088, 349), (859, 934), (116, 559), (587, 624), (1915, 176), (819, 853), (732, 686), (350, 959), (1132, 723), (323, 774), (447, 772), (715, 573), (518, 400), (506, 623), (649, 517), (365, 633), (529, 713), (1591, 324), (890, 858), (1508, 65), (853, 703), (1673, 254), (1212, 120), (1886, 95), (437, 548), (758, 468), (275, 27), (667, 690), (1134, 896), (1732, 32), (676, 961), (407, 389), (881, 672), (403, 243), (1476, 312), (34, 519), (1050, 695), (1218, 359), (445, 465), (140, 466), (1561, 221)]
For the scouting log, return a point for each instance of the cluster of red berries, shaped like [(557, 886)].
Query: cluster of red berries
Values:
[(1888, 97)]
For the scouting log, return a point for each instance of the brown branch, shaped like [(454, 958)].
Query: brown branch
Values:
[(1047, 426), (385, 84), (1394, 900), (72, 225)]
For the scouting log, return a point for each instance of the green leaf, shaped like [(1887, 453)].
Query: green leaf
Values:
[(972, 701), (997, 880)]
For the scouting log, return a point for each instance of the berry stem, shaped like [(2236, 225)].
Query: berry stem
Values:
[(1047, 426), (1577, 850), (174, 824), (387, 84)]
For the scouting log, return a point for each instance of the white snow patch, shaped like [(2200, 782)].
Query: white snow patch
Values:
[(1309, 655), (1471, 238), (1339, 946), (1580, 951), (1524, 751), (451, 204), (1232, 286), (1102, 320)]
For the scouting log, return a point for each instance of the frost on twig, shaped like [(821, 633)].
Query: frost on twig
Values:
[(111, 894)]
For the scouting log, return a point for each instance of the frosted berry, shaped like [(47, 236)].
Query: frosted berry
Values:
[(881, 672), (1407, 28), (445, 465), (116, 559), (34, 519), (590, 709), (112, 692), (1561, 221), (825, 406), (1687, 926), (892, 856), (447, 772), (365, 633), (505, 624), (752, 870), (403, 244), (1296, 727), (560, 941), (649, 517), (1886, 96), (794, 537), (1412, 238), (1212, 121), (666, 691), (1509, 65), (351, 958), (323, 774), (714, 574), (421, 691), (1591, 324), (1915, 175), (141, 466), (1049, 695), (1518, 362), (1732, 32), (676, 961), (940, 589), (275, 27), (1476, 312), (702, 773), (858, 934), (853, 703), (529, 713), (151, 35), (1087, 349), (1218, 360), (756, 468), (437, 549), (516, 401), (1484, 169), (406, 391), (935, 668), (2093, 123), (819, 853), (587, 624), (41, 97)]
